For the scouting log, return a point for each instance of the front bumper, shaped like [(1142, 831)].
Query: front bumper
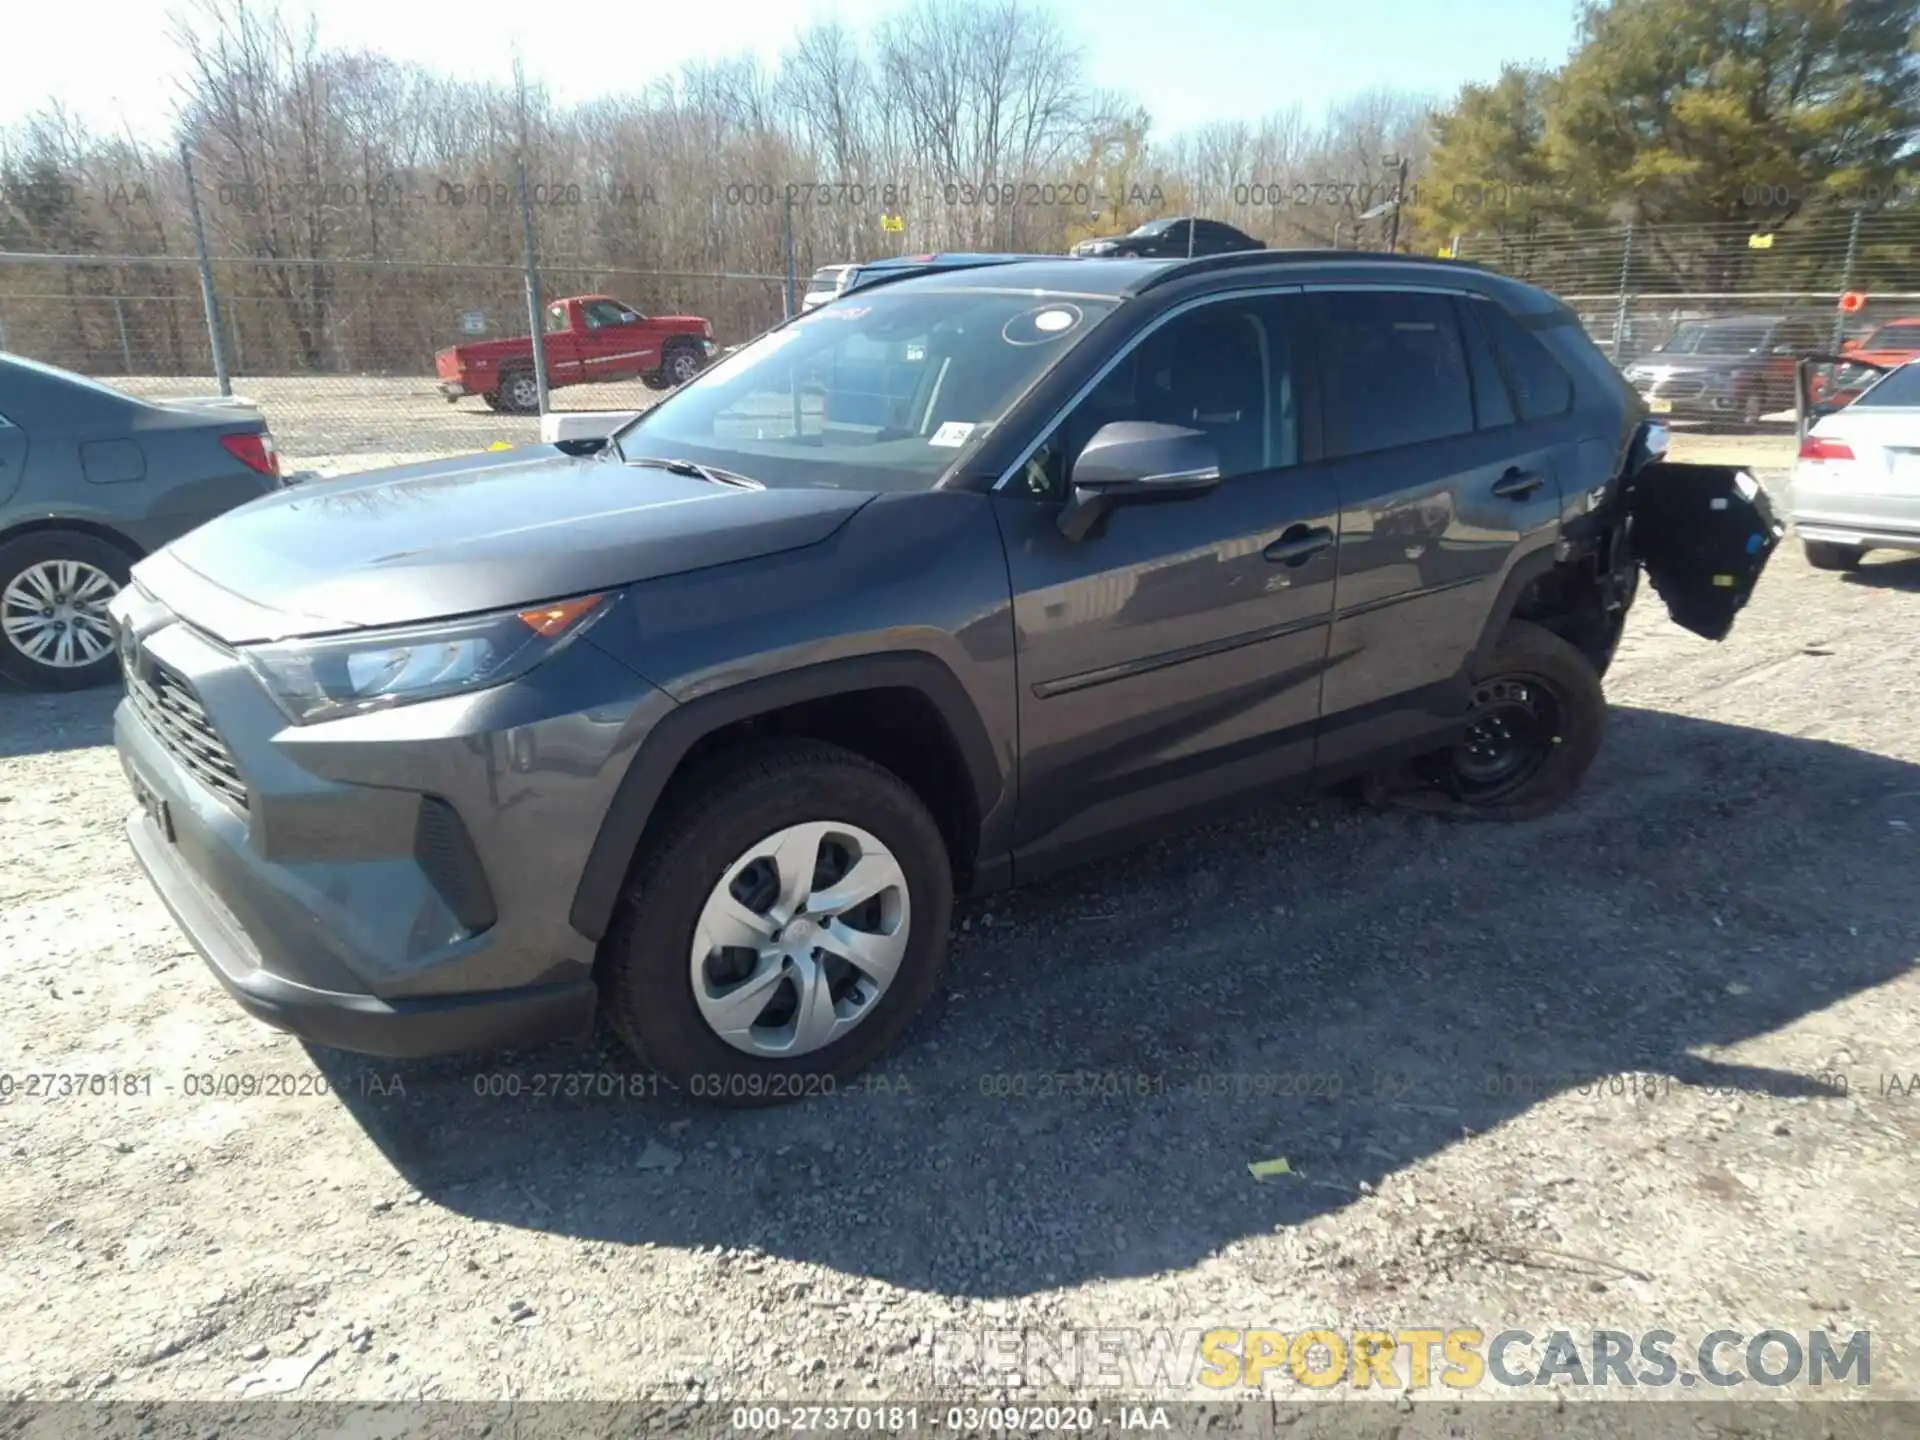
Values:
[(452, 389), (398, 882)]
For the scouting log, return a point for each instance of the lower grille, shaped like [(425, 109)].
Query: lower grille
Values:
[(174, 713)]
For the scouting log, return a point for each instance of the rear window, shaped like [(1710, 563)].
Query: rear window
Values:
[(1898, 389), (1541, 389), (1396, 370)]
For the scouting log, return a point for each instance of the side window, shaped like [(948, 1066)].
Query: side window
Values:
[(1492, 405), (1541, 389), (1226, 369), (1395, 368), (556, 319), (605, 312)]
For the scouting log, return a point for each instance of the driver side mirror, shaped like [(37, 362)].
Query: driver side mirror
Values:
[(1130, 460)]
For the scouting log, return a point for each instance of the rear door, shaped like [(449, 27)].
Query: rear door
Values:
[(1444, 483)]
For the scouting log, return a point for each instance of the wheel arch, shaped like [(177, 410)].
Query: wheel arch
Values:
[(959, 764), (41, 525)]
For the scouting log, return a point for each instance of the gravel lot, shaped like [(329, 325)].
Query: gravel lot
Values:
[(1728, 912)]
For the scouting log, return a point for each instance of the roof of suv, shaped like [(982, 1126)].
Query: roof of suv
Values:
[(1119, 279)]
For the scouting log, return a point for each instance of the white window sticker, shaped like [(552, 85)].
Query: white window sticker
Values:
[(1051, 320), (952, 434)]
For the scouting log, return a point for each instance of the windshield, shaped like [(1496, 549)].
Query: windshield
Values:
[(1897, 389), (873, 392), (1716, 340), (1153, 227)]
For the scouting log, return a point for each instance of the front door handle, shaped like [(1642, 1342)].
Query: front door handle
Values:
[(1298, 544), (1517, 484)]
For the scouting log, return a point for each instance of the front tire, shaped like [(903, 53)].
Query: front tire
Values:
[(55, 633), (1827, 555), (782, 928), (681, 361), (1539, 715)]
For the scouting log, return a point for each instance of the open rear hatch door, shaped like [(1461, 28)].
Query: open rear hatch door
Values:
[(1703, 533)]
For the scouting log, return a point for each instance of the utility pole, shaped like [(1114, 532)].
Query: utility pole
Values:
[(1399, 197), (207, 296), (536, 330)]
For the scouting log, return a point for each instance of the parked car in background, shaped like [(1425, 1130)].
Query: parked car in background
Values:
[(1173, 238), (1856, 483), (588, 339), (827, 282), (91, 480), (1738, 367), (705, 731)]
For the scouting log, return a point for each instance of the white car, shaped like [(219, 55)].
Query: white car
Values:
[(827, 282), (1856, 485)]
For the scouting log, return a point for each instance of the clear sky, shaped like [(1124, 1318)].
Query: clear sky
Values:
[(1189, 61)]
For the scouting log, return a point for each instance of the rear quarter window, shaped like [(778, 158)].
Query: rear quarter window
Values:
[(1541, 389)]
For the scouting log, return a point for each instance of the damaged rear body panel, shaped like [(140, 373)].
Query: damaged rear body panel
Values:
[(1703, 534)]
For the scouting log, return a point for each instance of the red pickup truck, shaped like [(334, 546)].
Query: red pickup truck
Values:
[(588, 338)]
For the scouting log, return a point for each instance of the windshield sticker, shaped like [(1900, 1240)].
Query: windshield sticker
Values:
[(1038, 326), (952, 434)]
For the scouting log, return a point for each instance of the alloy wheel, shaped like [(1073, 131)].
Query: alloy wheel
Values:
[(682, 366), (55, 613), (800, 939)]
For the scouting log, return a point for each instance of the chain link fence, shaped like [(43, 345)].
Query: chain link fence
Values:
[(339, 354)]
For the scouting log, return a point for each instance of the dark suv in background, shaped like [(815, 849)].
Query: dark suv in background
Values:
[(1174, 238), (944, 585), (1739, 367)]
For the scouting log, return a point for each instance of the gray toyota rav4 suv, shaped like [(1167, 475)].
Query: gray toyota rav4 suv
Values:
[(942, 585)]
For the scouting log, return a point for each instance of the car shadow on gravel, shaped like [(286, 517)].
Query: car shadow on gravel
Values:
[(33, 722), (1350, 990), (1887, 575)]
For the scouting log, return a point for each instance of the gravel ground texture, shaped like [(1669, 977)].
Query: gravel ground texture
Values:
[(1650, 1064)]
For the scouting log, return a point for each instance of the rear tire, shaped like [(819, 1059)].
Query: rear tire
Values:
[(519, 392), (1826, 555), (54, 585), (651, 962), (1540, 715)]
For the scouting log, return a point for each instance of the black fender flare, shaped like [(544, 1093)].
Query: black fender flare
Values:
[(668, 743), (1527, 569)]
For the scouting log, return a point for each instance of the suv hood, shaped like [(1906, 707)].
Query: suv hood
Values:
[(455, 537)]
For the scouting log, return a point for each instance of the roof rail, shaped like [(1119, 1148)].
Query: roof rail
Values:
[(1241, 259)]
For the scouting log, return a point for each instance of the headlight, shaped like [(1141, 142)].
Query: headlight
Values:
[(1097, 247), (334, 675)]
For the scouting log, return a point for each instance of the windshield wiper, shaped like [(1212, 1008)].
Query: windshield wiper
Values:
[(698, 472)]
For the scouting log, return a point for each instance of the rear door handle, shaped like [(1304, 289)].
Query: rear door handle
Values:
[(1298, 544), (1517, 484)]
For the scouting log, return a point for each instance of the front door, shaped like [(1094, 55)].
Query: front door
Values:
[(617, 344), (1173, 656)]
